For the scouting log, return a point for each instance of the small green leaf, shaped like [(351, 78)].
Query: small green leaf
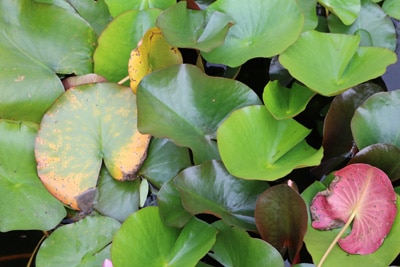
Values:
[(143, 240), (24, 201), (392, 8), (337, 58), (203, 103), (284, 102), (209, 188), (346, 10), (249, 37), (310, 16), (234, 247), (198, 29), (85, 243), (377, 27), (264, 148), (118, 7)]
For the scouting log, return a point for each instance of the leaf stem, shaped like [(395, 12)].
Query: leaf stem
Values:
[(338, 236), (123, 80)]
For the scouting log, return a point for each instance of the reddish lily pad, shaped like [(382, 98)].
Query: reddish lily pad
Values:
[(363, 195)]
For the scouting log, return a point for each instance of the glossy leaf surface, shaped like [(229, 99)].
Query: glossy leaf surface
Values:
[(281, 219), (153, 52), (24, 201), (234, 247), (284, 102), (344, 63), (84, 126), (197, 29), (264, 148), (203, 103), (376, 121), (209, 188), (29, 63), (249, 37), (317, 241), (118, 40), (144, 240), (364, 195), (85, 243), (118, 7), (347, 10), (372, 24)]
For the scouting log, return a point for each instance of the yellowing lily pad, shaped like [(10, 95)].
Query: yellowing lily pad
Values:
[(86, 125), (153, 52)]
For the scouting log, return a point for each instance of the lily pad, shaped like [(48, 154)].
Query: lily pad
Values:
[(337, 58), (264, 148), (203, 103), (198, 29), (362, 195), (392, 8), (143, 240), (85, 243), (284, 102), (153, 52), (85, 125), (281, 219), (117, 41), (234, 245), (376, 121), (249, 37), (117, 7), (209, 188), (347, 10), (29, 62), (24, 201), (310, 16), (372, 24)]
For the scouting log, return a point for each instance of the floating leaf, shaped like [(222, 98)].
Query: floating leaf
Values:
[(372, 24), (85, 243), (392, 8), (310, 16), (203, 103), (29, 63), (281, 219), (209, 188), (24, 202), (118, 40), (153, 52), (85, 125), (285, 103), (362, 195), (264, 148), (347, 10), (317, 242), (234, 245), (118, 7), (144, 240), (336, 57), (249, 37), (376, 121), (198, 29)]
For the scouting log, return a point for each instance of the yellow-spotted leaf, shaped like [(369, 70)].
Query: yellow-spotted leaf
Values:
[(153, 52), (86, 125)]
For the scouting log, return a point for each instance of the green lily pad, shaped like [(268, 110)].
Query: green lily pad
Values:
[(376, 121), (84, 243), (188, 28), (392, 8), (337, 58), (249, 37), (115, 198), (317, 241), (310, 16), (118, 40), (194, 103), (281, 219), (24, 201), (118, 7), (209, 188), (234, 245), (286, 103), (372, 24), (143, 240), (347, 10), (85, 125), (29, 62), (264, 148)]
